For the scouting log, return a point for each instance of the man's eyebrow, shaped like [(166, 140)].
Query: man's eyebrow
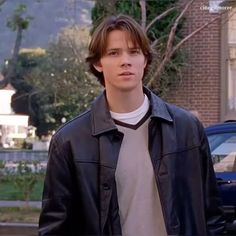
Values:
[(134, 47), (111, 49)]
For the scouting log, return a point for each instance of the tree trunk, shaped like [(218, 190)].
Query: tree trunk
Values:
[(11, 70), (142, 4)]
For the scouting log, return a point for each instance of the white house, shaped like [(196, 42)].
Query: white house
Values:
[(12, 126)]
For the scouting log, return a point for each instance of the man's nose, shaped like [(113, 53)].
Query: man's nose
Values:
[(125, 59)]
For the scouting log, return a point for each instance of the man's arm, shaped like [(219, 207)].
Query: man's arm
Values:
[(56, 202)]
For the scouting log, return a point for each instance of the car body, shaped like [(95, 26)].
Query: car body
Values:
[(222, 141)]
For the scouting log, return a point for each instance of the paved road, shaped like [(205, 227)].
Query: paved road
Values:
[(36, 204)]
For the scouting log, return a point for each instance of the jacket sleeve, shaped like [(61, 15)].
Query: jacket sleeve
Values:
[(57, 192), (214, 211)]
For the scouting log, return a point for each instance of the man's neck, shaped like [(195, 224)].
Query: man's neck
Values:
[(123, 102)]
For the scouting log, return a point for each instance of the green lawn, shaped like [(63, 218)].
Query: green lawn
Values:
[(19, 215), (8, 191)]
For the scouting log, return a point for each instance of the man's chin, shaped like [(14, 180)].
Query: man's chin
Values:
[(128, 87)]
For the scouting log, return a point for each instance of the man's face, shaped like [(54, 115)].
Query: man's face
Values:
[(122, 64)]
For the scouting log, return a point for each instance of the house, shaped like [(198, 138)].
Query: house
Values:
[(209, 82), (12, 126)]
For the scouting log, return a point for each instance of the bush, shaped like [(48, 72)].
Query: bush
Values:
[(25, 175)]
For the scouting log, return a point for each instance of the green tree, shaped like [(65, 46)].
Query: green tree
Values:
[(52, 86), (27, 99), (17, 22), (60, 81)]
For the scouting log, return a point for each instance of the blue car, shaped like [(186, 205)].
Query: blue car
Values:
[(222, 141)]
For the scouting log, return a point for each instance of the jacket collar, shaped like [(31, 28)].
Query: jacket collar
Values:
[(158, 106), (102, 121)]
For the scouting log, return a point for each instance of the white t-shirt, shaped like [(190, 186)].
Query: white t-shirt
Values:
[(132, 117)]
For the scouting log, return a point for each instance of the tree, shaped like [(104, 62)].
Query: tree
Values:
[(51, 85), (61, 84), (162, 20), (17, 22), (27, 100)]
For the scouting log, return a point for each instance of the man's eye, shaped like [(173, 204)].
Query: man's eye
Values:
[(135, 51), (112, 53)]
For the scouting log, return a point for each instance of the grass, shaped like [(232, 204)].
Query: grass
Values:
[(19, 214), (8, 191)]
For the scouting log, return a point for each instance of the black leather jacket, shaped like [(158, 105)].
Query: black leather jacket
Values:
[(79, 195)]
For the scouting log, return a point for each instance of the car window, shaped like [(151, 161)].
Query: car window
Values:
[(223, 151)]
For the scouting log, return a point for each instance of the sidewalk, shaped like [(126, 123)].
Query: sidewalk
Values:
[(18, 229), (36, 204)]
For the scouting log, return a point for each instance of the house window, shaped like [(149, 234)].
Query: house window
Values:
[(232, 62), (232, 85), (229, 67)]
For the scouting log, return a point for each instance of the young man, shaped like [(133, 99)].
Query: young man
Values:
[(133, 164)]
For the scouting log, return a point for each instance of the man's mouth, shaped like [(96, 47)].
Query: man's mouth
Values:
[(126, 73)]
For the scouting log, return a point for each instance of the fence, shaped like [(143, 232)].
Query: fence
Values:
[(22, 155)]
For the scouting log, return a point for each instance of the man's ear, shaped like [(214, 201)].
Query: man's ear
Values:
[(98, 66)]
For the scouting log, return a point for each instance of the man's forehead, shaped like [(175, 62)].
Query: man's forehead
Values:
[(117, 36)]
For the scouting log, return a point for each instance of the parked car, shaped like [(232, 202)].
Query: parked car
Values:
[(222, 141)]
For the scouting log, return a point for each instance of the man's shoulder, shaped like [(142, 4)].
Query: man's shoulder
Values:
[(175, 112), (178, 112), (78, 125), (168, 111), (183, 118), (186, 124)]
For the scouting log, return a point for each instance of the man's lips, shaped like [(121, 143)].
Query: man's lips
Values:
[(126, 73)]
